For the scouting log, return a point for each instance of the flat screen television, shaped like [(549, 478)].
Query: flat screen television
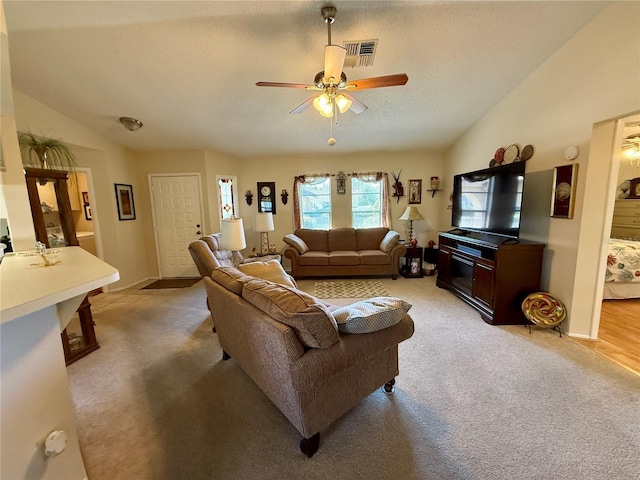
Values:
[(489, 200)]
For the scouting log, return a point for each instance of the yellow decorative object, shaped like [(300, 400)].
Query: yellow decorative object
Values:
[(544, 310)]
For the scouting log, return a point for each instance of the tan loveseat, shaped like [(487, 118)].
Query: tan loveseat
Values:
[(288, 343), (344, 252)]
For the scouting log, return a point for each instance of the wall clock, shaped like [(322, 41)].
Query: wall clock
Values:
[(267, 197)]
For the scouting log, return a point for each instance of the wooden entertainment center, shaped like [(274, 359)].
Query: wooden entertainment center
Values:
[(491, 273)]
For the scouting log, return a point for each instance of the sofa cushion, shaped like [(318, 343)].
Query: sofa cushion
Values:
[(310, 319), (370, 238), (314, 258), (374, 257), (370, 315), (271, 271), (341, 257), (315, 239), (296, 242), (389, 241), (230, 278), (342, 239)]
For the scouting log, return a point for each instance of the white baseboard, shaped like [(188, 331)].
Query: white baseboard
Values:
[(112, 290)]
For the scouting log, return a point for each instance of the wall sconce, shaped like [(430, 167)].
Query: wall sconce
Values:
[(249, 197), (285, 196)]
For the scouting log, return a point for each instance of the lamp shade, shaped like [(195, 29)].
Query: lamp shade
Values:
[(263, 222), (411, 213), (232, 234)]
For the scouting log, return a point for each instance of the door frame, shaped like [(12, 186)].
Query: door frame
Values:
[(95, 213), (150, 178)]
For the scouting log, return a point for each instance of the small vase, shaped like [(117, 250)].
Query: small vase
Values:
[(435, 183)]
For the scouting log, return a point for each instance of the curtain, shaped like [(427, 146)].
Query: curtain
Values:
[(309, 179), (385, 214)]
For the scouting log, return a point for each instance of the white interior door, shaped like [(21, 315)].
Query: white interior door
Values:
[(177, 215)]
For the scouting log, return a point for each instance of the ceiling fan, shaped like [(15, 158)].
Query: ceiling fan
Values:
[(332, 81)]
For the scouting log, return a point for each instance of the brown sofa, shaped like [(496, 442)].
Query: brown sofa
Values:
[(265, 328), (344, 252)]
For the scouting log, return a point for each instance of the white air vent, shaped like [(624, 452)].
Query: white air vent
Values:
[(360, 53)]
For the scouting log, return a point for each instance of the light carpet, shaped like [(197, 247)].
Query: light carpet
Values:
[(350, 289), (472, 401)]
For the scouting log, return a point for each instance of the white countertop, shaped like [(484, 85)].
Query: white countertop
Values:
[(26, 287)]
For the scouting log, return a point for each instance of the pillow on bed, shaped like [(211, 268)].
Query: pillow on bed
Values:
[(370, 315), (271, 271)]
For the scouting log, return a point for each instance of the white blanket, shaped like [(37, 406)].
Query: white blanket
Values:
[(623, 261)]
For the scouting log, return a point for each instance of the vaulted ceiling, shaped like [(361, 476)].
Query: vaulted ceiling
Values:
[(188, 69)]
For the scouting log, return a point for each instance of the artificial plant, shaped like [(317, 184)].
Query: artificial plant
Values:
[(41, 152)]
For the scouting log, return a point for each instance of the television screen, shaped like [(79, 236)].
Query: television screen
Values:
[(489, 200)]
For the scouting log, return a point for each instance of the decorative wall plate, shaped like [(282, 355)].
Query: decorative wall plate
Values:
[(527, 153), (511, 153)]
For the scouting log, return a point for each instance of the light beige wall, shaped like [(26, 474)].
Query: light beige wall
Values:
[(162, 162), (414, 165), (123, 242), (217, 164), (594, 76)]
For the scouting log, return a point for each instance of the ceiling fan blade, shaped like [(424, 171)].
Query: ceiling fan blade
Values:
[(303, 106), (356, 105), (333, 62), (377, 82), (286, 85)]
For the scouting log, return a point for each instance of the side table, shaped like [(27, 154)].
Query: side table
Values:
[(412, 267)]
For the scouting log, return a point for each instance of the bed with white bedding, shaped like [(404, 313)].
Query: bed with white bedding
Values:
[(622, 278)]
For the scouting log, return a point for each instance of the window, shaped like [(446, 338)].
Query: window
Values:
[(315, 204), (366, 203), (227, 196)]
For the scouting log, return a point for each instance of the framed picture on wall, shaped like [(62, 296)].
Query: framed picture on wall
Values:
[(87, 212), (415, 191), (565, 179), (124, 201)]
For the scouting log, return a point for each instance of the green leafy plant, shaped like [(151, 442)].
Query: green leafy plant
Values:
[(41, 152)]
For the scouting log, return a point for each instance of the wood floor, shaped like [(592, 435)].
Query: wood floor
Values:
[(619, 334)]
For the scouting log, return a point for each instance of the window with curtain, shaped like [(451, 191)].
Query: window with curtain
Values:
[(366, 203), (314, 200)]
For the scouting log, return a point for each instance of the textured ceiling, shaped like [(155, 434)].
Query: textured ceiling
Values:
[(188, 69)]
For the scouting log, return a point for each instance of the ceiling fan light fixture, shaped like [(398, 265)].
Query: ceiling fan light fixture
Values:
[(633, 144), (322, 103), (132, 124), (633, 152), (343, 103)]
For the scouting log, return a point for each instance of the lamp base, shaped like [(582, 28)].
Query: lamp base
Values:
[(264, 243)]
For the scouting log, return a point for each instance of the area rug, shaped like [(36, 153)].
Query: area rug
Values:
[(350, 289), (172, 283)]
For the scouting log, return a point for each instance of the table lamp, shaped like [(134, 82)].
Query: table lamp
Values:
[(263, 223), (411, 214), (232, 234)]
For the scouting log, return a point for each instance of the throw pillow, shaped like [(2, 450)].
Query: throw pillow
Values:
[(230, 278), (271, 271), (296, 242), (389, 241), (370, 315), (311, 320)]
